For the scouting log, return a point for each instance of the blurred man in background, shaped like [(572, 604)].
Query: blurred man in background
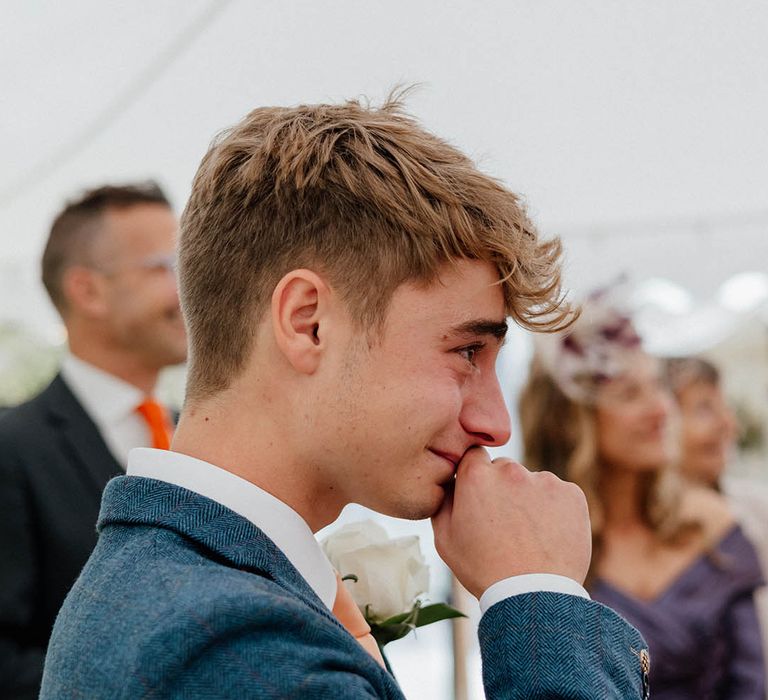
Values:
[(108, 267)]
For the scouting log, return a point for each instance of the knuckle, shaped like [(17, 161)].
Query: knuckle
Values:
[(503, 460), (515, 472), (549, 480)]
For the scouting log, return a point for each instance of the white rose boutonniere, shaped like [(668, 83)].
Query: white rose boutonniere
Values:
[(386, 578)]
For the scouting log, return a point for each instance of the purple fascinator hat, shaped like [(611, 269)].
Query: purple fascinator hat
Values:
[(595, 349)]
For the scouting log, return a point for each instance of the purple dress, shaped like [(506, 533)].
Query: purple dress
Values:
[(702, 631)]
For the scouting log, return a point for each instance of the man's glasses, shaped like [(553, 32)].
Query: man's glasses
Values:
[(159, 262)]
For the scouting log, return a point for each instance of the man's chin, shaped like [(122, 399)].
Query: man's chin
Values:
[(416, 510)]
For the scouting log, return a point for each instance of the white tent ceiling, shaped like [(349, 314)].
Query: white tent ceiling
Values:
[(637, 131)]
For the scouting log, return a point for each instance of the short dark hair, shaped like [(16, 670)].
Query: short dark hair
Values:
[(76, 225)]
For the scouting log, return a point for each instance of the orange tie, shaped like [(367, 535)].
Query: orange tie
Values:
[(159, 425), (348, 614)]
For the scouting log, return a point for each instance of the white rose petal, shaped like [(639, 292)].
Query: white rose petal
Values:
[(391, 573), (353, 536)]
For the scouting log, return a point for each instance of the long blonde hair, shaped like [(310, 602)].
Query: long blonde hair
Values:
[(560, 436)]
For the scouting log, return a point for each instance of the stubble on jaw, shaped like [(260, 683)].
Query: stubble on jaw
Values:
[(413, 509)]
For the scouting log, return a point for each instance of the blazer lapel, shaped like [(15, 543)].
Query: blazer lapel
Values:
[(80, 438)]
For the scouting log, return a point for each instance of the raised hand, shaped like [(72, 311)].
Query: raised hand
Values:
[(501, 520)]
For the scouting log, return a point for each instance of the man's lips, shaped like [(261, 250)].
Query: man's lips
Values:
[(452, 458)]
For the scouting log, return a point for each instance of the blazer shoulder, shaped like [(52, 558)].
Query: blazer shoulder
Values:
[(23, 430), (28, 417), (31, 435), (180, 578)]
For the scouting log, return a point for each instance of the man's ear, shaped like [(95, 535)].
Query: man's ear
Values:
[(300, 306), (84, 290)]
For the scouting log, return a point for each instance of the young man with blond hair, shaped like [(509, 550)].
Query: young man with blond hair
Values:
[(345, 278)]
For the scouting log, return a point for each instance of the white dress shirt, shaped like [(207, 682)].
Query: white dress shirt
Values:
[(111, 403), (289, 531)]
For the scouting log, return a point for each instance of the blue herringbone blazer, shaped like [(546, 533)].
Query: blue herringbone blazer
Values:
[(183, 598)]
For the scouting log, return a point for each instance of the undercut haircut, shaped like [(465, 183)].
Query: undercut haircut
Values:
[(75, 228), (362, 195)]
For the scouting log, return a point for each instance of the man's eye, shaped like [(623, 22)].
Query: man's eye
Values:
[(470, 353)]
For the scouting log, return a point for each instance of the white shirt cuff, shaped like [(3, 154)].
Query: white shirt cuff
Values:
[(529, 583)]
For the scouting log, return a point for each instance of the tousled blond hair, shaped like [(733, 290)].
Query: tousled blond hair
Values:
[(363, 195)]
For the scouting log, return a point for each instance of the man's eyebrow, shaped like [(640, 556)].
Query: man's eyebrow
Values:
[(497, 329)]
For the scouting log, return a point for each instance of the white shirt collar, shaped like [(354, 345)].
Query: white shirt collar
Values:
[(105, 397), (283, 525)]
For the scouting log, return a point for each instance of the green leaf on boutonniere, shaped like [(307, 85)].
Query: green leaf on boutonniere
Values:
[(397, 626), (435, 613)]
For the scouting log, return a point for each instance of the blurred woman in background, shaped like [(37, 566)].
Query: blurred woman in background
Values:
[(667, 555), (708, 432), (708, 426)]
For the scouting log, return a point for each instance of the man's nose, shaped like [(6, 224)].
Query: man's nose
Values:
[(485, 416)]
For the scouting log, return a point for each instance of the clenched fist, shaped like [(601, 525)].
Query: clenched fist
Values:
[(502, 520)]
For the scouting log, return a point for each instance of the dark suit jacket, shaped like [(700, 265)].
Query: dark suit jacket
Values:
[(183, 598), (54, 465)]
